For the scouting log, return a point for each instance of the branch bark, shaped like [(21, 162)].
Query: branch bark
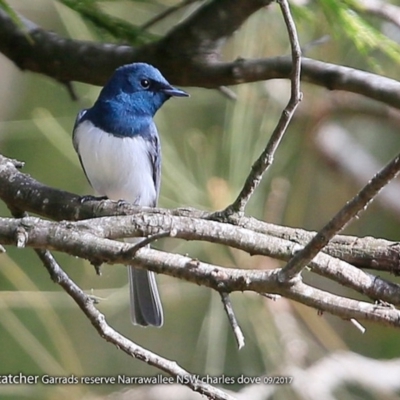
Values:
[(77, 239), (22, 192), (183, 60)]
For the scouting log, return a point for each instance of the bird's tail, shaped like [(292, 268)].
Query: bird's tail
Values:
[(146, 308)]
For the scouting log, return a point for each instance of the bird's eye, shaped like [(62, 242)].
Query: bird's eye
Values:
[(145, 83)]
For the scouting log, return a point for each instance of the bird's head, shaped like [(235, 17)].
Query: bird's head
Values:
[(139, 87)]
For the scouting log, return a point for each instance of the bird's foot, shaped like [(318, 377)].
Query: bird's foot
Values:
[(89, 197), (122, 202)]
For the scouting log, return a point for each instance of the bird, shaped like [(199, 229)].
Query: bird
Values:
[(119, 150)]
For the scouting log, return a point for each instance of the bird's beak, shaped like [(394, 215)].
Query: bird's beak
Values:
[(172, 91)]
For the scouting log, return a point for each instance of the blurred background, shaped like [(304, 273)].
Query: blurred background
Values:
[(336, 142)]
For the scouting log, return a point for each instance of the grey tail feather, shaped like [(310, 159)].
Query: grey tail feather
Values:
[(146, 308)]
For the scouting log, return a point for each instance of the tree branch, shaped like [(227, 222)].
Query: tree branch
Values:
[(190, 55), (239, 337), (267, 156), (98, 320), (345, 215), (83, 243), (48, 234), (191, 43), (71, 60), (22, 192)]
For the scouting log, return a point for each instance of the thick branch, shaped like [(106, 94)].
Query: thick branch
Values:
[(201, 36), (329, 76), (37, 50), (25, 193), (196, 40), (90, 239), (77, 239), (71, 60), (366, 252)]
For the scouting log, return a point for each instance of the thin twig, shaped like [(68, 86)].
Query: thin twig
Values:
[(266, 158), (226, 301), (337, 223), (110, 335), (360, 327), (146, 241), (71, 90)]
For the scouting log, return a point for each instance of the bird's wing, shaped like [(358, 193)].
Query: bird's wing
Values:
[(155, 158), (75, 142), (77, 121)]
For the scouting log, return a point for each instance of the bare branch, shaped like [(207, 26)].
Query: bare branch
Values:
[(122, 343), (91, 239), (337, 223), (193, 42), (195, 64), (97, 230), (358, 325), (63, 237), (23, 192), (147, 240), (266, 158), (367, 252), (232, 319), (372, 286)]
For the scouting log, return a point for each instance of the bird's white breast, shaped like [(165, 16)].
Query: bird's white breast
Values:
[(117, 167)]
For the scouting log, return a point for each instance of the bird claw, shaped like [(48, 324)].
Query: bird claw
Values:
[(122, 203), (89, 197)]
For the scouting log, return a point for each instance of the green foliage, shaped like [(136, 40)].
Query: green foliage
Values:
[(14, 16), (344, 18), (107, 26), (10, 11)]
